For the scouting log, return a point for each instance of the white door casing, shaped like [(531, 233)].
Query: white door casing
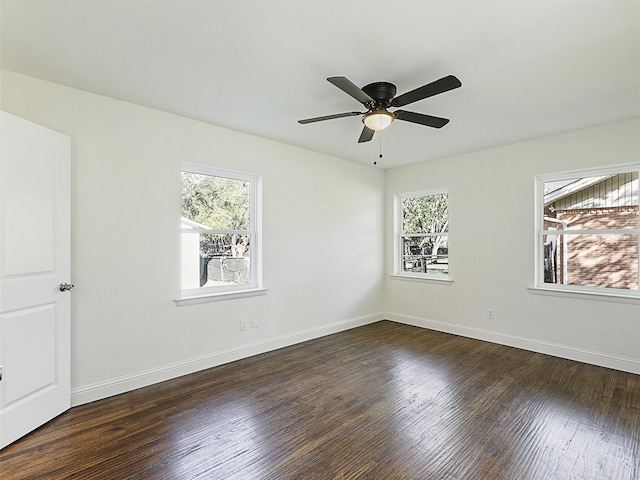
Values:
[(34, 260)]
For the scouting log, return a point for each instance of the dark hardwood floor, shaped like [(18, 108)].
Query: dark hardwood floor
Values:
[(384, 401)]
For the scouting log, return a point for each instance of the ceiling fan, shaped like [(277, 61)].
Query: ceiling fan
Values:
[(377, 97)]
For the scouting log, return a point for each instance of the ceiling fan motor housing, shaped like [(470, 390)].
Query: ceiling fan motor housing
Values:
[(381, 92)]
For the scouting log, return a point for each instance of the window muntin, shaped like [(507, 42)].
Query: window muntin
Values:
[(220, 250), (422, 234), (587, 227)]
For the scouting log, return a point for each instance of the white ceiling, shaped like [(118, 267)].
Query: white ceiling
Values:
[(529, 68)]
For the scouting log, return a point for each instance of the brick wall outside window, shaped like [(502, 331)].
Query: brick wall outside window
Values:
[(599, 260)]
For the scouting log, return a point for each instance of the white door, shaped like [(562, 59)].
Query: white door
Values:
[(34, 261)]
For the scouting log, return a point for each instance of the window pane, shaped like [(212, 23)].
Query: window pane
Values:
[(592, 203), (425, 255), (216, 202), (591, 260), (210, 260), (425, 214)]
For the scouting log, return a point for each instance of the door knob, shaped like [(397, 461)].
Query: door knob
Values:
[(66, 287)]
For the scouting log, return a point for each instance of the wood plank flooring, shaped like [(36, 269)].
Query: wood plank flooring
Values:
[(384, 401)]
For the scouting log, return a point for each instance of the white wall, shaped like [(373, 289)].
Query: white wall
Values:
[(491, 247), (324, 219), (322, 251)]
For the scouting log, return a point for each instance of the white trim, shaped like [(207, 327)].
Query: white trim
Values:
[(220, 296), (616, 362), (422, 193), (201, 169), (125, 383), (421, 278), (603, 231), (588, 172), (609, 295)]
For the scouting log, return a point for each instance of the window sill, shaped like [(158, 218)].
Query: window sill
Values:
[(602, 296), (219, 297), (416, 278)]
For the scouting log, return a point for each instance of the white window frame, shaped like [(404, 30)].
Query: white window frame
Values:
[(399, 234), (539, 283), (254, 286)]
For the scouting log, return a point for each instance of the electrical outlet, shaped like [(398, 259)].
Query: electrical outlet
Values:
[(243, 325), (255, 322), (491, 314)]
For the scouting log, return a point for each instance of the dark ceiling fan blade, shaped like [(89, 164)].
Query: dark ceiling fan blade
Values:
[(348, 87), (434, 88), (421, 118), (366, 135), (330, 117)]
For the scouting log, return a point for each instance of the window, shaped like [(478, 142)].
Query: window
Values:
[(422, 234), (220, 231), (587, 231)]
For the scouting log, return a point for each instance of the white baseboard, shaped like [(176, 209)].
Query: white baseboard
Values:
[(563, 351), (115, 386)]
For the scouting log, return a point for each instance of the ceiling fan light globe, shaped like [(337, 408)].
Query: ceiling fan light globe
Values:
[(378, 120)]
